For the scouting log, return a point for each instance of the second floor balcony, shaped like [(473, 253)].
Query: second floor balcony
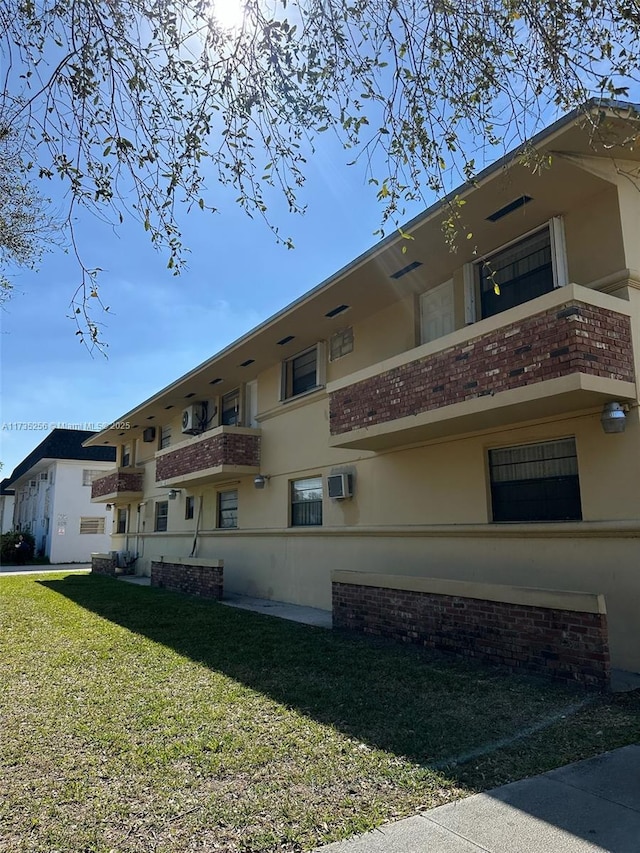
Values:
[(123, 484), (566, 351), (215, 455)]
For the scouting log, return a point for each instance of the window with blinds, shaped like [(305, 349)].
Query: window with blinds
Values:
[(306, 502), (516, 274), (228, 509), (535, 482), (91, 525)]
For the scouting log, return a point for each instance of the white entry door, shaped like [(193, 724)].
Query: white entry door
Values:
[(436, 312)]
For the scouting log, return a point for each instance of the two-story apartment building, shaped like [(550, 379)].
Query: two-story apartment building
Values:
[(439, 421), (53, 496)]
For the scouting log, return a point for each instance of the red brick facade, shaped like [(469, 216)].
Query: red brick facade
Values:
[(576, 338), (117, 481), (223, 448), (205, 581), (568, 645), (103, 565)]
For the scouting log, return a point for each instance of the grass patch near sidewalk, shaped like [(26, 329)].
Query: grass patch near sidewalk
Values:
[(134, 719)]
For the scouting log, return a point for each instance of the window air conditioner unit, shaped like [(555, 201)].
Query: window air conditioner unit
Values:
[(340, 486), (194, 418), (148, 434)]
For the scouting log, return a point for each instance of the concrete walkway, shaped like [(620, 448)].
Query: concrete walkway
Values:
[(292, 612), (592, 806), (46, 568)]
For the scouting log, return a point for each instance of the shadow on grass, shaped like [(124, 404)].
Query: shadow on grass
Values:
[(400, 699)]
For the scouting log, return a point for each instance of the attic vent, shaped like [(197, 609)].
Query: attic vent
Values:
[(509, 208), (216, 380), (405, 270), (335, 311), (247, 362), (286, 340)]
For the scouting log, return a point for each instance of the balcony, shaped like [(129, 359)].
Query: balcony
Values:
[(563, 352), (216, 455), (123, 484)]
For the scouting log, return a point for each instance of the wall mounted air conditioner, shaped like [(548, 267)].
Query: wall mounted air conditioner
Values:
[(340, 486), (194, 418), (148, 434)]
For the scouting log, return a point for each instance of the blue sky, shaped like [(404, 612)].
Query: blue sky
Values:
[(161, 325)]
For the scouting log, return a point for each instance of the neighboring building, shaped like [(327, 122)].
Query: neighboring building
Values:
[(7, 499), (53, 496), (467, 423)]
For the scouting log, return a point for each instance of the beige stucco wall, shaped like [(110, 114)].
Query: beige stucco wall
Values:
[(425, 510)]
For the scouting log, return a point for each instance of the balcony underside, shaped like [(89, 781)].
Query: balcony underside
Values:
[(550, 398), (217, 474)]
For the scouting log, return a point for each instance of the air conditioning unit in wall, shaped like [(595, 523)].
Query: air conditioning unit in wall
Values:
[(340, 486), (148, 434), (194, 418)]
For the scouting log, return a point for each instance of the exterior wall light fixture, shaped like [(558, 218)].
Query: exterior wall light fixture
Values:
[(173, 494), (108, 507), (260, 481), (613, 418)]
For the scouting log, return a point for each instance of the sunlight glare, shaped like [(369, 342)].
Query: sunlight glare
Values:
[(228, 13)]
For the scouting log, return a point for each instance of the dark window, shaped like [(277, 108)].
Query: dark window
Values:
[(230, 415), (535, 482), (228, 509), (121, 521), (520, 273), (126, 455), (165, 437), (162, 514), (300, 374), (189, 505), (306, 502)]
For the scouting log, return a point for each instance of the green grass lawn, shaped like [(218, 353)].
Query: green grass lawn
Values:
[(133, 719)]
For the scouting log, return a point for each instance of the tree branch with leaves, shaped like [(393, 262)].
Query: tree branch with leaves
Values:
[(142, 106)]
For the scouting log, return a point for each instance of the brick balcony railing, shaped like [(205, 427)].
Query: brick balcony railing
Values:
[(575, 337), (224, 447), (116, 483)]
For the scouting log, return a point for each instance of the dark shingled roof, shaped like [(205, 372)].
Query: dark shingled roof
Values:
[(63, 444), (3, 487)]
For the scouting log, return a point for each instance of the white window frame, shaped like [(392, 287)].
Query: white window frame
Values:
[(321, 371), (90, 474)]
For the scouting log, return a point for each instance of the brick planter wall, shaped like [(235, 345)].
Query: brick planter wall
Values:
[(577, 338), (567, 645), (101, 564), (205, 581), (225, 448)]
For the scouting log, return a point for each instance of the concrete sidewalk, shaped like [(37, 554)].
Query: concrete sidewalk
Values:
[(588, 807), (46, 568)]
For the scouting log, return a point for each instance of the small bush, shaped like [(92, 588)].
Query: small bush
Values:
[(8, 541)]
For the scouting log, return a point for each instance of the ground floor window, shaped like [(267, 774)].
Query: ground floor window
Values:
[(189, 506), (162, 514), (535, 482), (228, 509), (89, 524), (306, 502), (121, 520)]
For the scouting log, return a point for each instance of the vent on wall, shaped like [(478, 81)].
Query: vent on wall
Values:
[(509, 208)]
